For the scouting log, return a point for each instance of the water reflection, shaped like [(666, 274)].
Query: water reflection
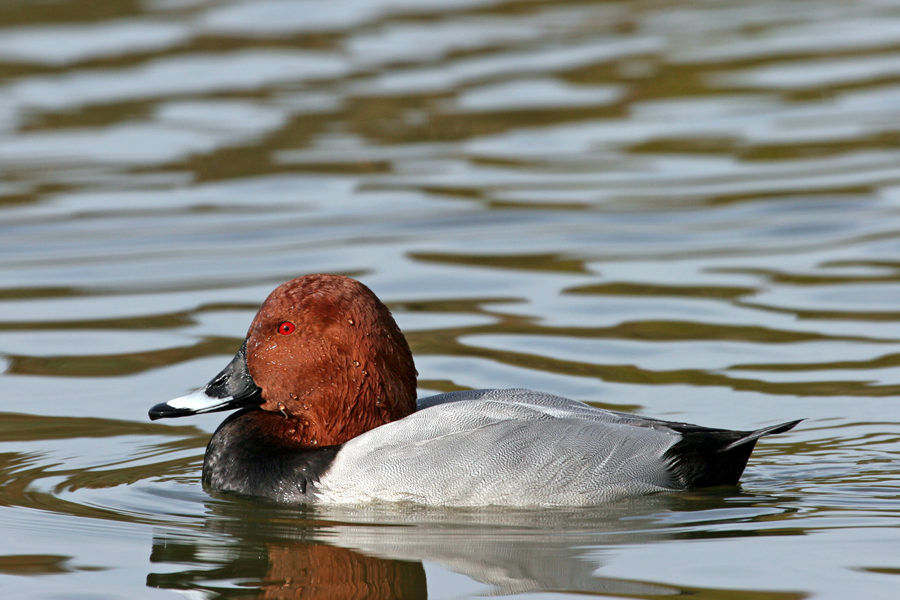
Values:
[(378, 551), (287, 570)]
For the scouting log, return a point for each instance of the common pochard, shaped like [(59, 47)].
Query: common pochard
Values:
[(326, 387)]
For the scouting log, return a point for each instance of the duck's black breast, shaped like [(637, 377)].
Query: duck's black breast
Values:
[(245, 456)]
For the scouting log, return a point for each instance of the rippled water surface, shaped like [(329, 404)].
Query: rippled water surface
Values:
[(686, 209)]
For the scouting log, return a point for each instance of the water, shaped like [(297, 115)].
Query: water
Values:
[(689, 210)]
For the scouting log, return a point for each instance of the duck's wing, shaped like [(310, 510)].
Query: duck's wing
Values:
[(512, 447), (699, 457)]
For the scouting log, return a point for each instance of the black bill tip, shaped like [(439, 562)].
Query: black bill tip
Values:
[(164, 411)]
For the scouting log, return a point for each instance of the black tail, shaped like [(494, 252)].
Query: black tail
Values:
[(752, 436), (706, 457)]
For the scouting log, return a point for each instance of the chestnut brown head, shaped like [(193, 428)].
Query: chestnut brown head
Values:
[(324, 352)]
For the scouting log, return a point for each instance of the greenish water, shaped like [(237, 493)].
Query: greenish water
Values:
[(688, 210)]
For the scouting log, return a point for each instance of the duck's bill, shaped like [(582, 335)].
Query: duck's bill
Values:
[(232, 388)]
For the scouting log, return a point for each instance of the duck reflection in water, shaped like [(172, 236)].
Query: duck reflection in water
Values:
[(290, 570), (379, 552)]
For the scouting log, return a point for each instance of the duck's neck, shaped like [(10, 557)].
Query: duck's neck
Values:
[(326, 411), (252, 453), (338, 420), (315, 424)]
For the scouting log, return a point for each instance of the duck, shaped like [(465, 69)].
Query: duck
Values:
[(324, 389)]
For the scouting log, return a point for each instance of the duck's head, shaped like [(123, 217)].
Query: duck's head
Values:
[(323, 351)]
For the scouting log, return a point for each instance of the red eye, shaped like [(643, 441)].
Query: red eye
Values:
[(286, 328)]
